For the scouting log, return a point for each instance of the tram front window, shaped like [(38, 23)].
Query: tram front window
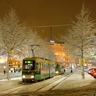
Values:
[(28, 65)]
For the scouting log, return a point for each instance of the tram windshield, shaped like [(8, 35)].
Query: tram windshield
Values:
[(28, 65)]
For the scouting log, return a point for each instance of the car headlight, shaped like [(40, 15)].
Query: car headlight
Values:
[(32, 76), (23, 76)]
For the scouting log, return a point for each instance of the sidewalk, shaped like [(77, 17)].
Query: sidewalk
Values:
[(76, 81), (13, 76), (77, 76)]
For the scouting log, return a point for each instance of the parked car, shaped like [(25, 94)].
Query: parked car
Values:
[(92, 72)]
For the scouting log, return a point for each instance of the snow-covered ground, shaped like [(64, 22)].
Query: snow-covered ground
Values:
[(74, 85), (11, 74)]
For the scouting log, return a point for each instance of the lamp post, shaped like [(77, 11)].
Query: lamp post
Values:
[(51, 36)]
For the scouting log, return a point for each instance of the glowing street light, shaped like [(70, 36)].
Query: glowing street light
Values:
[(52, 41)]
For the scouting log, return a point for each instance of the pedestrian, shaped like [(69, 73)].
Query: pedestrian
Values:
[(71, 71), (64, 70), (4, 71)]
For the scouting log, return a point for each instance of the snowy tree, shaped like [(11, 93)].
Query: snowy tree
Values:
[(81, 34), (12, 34), (16, 38)]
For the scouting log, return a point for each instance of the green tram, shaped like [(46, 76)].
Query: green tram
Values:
[(59, 69), (36, 69)]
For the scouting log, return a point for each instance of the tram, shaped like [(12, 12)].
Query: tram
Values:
[(36, 69), (59, 69)]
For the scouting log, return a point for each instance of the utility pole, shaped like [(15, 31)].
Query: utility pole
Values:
[(32, 49)]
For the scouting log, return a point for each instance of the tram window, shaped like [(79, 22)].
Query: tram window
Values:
[(37, 68), (29, 64), (26, 67)]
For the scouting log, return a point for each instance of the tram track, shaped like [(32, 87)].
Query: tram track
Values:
[(60, 82), (46, 87), (53, 85)]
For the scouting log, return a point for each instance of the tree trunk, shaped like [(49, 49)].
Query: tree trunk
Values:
[(7, 67), (82, 65), (49, 71)]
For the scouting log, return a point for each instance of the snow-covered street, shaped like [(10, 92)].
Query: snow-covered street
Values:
[(72, 85)]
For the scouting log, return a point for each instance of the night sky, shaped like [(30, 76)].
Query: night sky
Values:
[(47, 12)]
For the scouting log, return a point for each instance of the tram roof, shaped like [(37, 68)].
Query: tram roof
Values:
[(38, 59), (32, 58)]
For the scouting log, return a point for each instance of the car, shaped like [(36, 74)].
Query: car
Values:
[(92, 72)]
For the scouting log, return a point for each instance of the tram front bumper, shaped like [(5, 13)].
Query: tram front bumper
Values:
[(31, 77)]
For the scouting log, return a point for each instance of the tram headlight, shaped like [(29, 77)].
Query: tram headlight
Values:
[(32, 76), (57, 72), (23, 76)]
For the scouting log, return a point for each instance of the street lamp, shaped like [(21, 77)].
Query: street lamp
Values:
[(51, 36), (52, 41)]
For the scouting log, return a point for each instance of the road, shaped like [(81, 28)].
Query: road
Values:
[(62, 85)]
